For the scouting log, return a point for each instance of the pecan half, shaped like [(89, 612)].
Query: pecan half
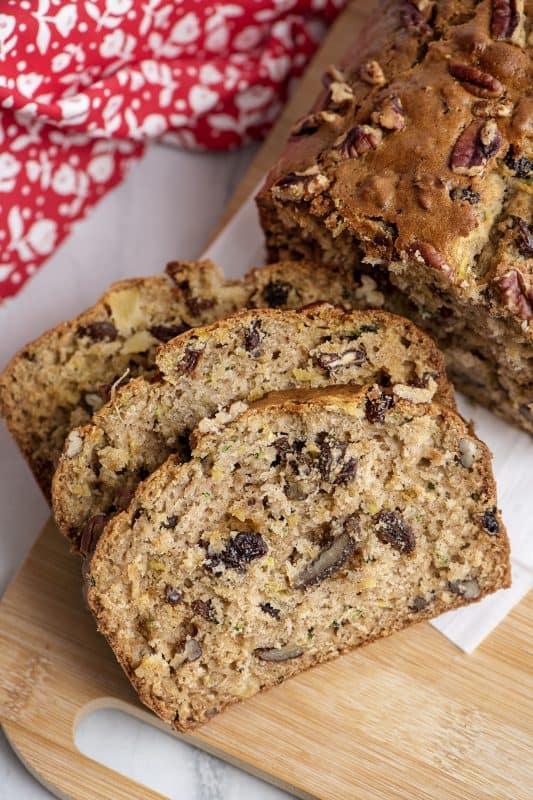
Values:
[(391, 528), (328, 561), (475, 81), (432, 258), (359, 140), (524, 238), (370, 72), (504, 19), (477, 143), (334, 361), (515, 294), (390, 114)]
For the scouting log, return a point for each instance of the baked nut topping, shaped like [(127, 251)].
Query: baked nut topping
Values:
[(504, 18), (359, 140), (477, 143), (371, 73), (475, 80), (390, 114)]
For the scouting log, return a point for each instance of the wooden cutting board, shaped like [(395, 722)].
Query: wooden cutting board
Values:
[(409, 717)]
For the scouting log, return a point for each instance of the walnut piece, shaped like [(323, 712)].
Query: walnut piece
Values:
[(475, 81)]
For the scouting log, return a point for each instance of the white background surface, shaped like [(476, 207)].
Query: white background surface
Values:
[(165, 209)]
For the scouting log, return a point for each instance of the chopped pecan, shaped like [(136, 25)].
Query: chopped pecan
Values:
[(269, 609), (477, 143), (275, 293), (504, 19), (377, 404), (490, 522), (340, 97), (466, 194), (334, 361), (515, 294), (371, 72), (432, 258), (252, 337), (239, 551), (331, 75), (164, 333), (189, 361), (205, 609), (359, 140), (391, 528), (278, 653), (328, 561), (485, 108), (301, 185), (524, 238), (519, 165), (475, 81), (469, 588), (99, 331), (390, 114)]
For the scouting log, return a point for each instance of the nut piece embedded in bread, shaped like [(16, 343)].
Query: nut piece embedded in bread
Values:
[(240, 358), (424, 184), (221, 580)]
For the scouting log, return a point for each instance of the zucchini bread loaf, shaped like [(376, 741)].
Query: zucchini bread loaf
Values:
[(414, 167), (58, 381), (221, 579), (241, 357)]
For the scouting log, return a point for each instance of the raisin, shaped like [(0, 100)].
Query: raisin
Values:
[(520, 165), (205, 609), (170, 522), (275, 293), (172, 596), (419, 603), (467, 194), (348, 472), (198, 304), (283, 449), (490, 522), (377, 407), (252, 338), (268, 608), (524, 239), (243, 548), (391, 528), (325, 455), (164, 333), (189, 361), (99, 331)]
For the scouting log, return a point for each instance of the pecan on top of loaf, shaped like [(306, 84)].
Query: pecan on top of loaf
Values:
[(420, 165)]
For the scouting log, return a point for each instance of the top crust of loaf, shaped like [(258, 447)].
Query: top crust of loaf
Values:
[(57, 381), (417, 146), (184, 513)]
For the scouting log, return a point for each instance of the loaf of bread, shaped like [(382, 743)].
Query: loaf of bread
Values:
[(303, 528), (241, 357), (58, 381), (414, 167)]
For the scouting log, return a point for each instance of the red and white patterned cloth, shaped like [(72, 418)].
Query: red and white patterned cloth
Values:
[(84, 84)]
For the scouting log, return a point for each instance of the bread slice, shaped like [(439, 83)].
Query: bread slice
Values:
[(58, 381), (301, 529), (240, 358)]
